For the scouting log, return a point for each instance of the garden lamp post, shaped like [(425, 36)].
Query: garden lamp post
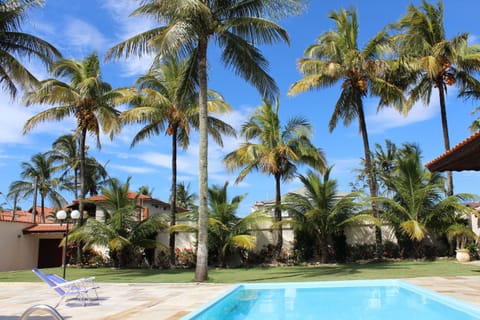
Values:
[(62, 216)]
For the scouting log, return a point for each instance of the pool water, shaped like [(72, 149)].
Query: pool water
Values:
[(350, 300)]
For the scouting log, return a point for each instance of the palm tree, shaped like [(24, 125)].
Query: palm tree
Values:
[(383, 165), (227, 231), (363, 72), (187, 28), (65, 152), (15, 195), (86, 97), (461, 233), (166, 102), (15, 44), (146, 190), (185, 198), (321, 211), (96, 176), (125, 236), (38, 177), (417, 207), (275, 151), (436, 61)]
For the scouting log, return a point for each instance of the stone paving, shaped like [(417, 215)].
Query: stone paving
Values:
[(168, 301)]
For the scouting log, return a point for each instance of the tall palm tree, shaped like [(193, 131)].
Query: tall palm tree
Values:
[(321, 211), (336, 57), (86, 97), (275, 151), (187, 28), (39, 177), (436, 61), (418, 205), (166, 102), (15, 44), (122, 232)]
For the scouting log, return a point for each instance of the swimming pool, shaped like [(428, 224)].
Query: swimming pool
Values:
[(369, 300)]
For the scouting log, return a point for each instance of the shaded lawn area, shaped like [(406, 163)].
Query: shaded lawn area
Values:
[(334, 272)]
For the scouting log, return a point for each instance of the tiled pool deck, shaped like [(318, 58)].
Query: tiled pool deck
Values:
[(168, 301)]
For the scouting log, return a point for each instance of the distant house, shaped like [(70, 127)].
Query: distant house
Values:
[(27, 244), (148, 206), (355, 234)]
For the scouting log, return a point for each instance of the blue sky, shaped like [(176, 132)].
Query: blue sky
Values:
[(77, 28)]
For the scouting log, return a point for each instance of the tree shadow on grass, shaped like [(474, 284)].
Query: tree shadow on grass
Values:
[(353, 271)]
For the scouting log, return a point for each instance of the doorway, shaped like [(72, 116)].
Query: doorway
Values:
[(49, 253)]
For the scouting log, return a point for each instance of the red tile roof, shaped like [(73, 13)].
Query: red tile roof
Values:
[(26, 216), (45, 228), (132, 195), (463, 156)]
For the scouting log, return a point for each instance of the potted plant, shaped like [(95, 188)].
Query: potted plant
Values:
[(461, 234)]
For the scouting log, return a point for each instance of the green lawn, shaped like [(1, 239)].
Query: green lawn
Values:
[(384, 270)]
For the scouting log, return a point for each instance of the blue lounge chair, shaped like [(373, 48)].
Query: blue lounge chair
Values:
[(77, 289)]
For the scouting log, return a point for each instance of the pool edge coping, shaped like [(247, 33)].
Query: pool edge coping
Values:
[(466, 307)]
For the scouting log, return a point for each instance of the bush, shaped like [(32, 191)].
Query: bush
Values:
[(473, 248), (93, 258), (163, 261), (391, 250), (360, 252), (268, 255), (185, 258)]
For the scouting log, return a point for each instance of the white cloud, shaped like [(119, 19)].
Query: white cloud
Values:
[(84, 36), (473, 39), (133, 169), (127, 27), (389, 118), (15, 115), (344, 167), (156, 159), (11, 126), (134, 66)]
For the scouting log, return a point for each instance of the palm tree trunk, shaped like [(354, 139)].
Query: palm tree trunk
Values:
[(42, 207), (81, 197), (82, 174), (75, 181), (446, 138), (201, 269), (35, 191), (324, 252), (14, 209), (372, 183), (173, 197), (278, 215)]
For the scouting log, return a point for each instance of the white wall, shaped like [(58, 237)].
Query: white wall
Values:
[(365, 234), (17, 251)]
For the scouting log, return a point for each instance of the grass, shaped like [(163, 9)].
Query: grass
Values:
[(384, 270)]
